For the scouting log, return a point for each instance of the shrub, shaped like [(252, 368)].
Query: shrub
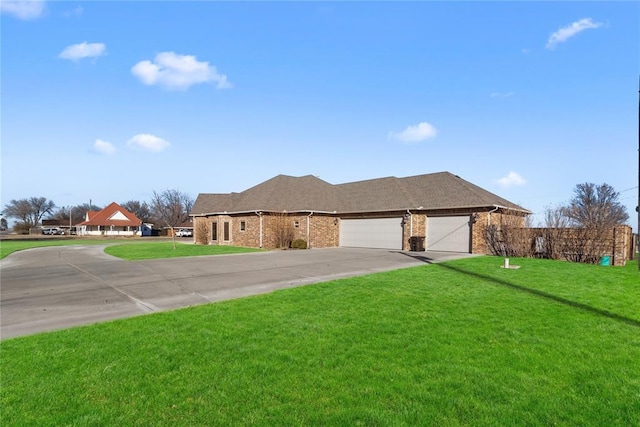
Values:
[(299, 244)]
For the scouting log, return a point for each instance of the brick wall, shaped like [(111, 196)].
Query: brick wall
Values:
[(622, 245), (582, 245), (414, 225), (323, 230), (318, 230)]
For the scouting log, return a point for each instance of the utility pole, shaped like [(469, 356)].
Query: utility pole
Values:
[(638, 205)]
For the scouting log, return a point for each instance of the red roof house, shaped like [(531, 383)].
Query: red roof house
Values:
[(114, 220)]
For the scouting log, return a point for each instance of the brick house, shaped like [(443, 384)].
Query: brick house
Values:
[(438, 211)]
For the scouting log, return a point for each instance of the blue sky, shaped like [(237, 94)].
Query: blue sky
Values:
[(109, 101)]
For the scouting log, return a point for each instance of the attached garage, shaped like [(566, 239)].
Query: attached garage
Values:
[(381, 233), (448, 233)]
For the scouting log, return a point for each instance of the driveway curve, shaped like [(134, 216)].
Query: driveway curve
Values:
[(57, 287)]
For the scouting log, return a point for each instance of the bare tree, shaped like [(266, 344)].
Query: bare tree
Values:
[(172, 208), (596, 206), (550, 242), (510, 237), (140, 209), (202, 231), (29, 211), (76, 213), (282, 230), (80, 211)]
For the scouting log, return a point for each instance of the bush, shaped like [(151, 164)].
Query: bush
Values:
[(299, 244)]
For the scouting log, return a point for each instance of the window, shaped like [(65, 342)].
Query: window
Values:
[(243, 225), (225, 231), (214, 231), (296, 224)]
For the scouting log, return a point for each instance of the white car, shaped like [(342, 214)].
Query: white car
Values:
[(52, 231), (183, 232)]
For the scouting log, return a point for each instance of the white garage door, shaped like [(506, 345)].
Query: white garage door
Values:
[(448, 233), (383, 233)]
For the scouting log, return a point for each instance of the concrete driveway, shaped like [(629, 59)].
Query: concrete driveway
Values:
[(58, 287)]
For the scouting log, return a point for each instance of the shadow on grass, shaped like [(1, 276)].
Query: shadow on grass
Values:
[(535, 292)]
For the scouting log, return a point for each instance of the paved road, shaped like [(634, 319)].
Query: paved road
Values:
[(58, 287)]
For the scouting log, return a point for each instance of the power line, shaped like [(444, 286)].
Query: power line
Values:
[(629, 189)]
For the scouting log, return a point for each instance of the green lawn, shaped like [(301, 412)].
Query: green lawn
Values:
[(8, 247), (153, 250), (131, 249), (459, 343)]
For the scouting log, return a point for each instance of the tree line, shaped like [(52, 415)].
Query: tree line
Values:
[(168, 208)]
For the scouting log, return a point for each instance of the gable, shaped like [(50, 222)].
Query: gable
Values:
[(118, 216), (114, 214)]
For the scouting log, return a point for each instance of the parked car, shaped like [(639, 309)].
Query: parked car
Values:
[(184, 232), (52, 231)]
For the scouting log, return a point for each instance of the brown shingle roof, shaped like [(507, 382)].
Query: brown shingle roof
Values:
[(441, 190)]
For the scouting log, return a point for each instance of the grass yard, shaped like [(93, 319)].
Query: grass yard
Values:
[(153, 250), (458, 343), (130, 249), (10, 246)]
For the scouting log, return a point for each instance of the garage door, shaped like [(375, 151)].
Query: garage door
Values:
[(448, 233), (383, 233)]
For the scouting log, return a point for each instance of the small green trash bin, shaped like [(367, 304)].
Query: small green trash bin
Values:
[(605, 261)]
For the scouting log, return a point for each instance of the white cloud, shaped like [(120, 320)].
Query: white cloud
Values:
[(565, 33), (419, 132), (104, 147), (511, 179), (83, 50), (147, 142), (175, 71), (23, 9)]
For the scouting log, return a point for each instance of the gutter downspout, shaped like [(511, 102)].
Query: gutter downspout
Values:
[(308, 230), (489, 216), (260, 216), (410, 222)]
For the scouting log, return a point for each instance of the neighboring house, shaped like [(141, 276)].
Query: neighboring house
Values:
[(114, 220), (440, 210)]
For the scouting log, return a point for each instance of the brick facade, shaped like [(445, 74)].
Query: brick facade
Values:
[(256, 230), (323, 230)]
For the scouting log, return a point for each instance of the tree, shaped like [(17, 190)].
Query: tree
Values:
[(29, 211), (141, 210), (581, 230), (3, 224), (282, 230), (596, 206), (172, 208), (78, 213)]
